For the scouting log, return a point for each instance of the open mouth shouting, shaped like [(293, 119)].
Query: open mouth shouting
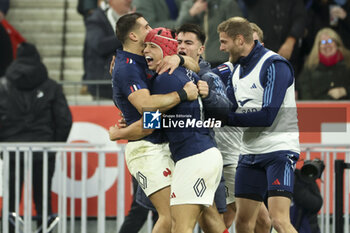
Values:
[(149, 60)]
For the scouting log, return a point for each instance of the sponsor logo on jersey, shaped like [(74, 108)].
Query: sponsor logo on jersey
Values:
[(167, 172), (276, 182), (243, 102)]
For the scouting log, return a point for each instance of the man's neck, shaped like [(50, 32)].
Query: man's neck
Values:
[(247, 49), (197, 59), (133, 48)]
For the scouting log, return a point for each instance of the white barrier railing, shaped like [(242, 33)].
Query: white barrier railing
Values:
[(26, 150), (327, 153)]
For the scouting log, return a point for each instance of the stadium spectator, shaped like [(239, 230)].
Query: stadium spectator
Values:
[(5, 42), (327, 13), (86, 7), (208, 14), (264, 103), (283, 23), (101, 44), (159, 13), (33, 108), (326, 73)]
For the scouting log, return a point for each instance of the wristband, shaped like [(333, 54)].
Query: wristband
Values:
[(182, 60), (182, 94)]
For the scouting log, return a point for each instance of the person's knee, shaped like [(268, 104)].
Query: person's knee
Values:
[(264, 223), (279, 222), (165, 219), (243, 225), (228, 219)]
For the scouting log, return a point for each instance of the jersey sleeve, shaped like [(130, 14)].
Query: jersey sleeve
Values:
[(130, 79), (216, 104), (278, 78), (223, 71)]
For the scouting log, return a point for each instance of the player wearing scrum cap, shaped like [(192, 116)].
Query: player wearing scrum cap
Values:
[(198, 163), (148, 160)]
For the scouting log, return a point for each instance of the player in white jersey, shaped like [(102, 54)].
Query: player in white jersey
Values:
[(262, 89)]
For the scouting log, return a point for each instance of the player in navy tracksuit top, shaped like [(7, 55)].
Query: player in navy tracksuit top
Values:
[(262, 89), (198, 165)]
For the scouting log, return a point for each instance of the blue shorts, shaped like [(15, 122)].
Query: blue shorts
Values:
[(143, 200), (260, 173), (219, 198)]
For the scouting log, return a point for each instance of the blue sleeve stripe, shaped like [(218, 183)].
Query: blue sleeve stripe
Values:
[(271, 76), (266, 89)]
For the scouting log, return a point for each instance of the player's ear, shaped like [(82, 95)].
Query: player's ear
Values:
[(201, 50), (133, 36)]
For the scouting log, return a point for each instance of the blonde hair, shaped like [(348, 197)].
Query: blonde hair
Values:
[(258, 31), (313, 59), (237, 26)]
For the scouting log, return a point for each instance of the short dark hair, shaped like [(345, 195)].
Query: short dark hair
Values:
[(194, 28), (125, 24)]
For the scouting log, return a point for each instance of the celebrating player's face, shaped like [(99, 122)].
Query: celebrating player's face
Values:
[(153, 55), (188, 44), (230, 45)]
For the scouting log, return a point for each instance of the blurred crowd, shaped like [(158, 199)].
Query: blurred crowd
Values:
[(314, 35)]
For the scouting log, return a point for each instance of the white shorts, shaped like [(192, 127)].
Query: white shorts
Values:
[(229, 175), (196, 178), (150, 164)]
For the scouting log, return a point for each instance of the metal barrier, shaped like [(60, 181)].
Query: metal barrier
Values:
[(62, 150), (327, 153)]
